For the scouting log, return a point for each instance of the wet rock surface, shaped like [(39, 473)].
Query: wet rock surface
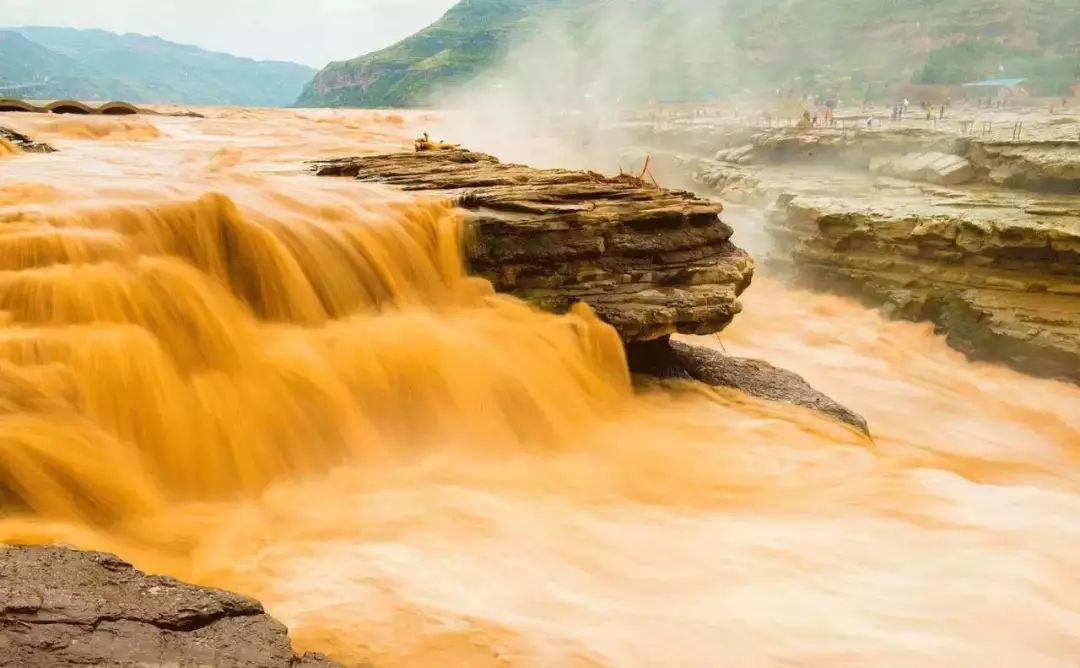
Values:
[(651, 262), (62, 607), (25, 143), (665, 358)]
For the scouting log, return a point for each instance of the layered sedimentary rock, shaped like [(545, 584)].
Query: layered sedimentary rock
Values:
[(1003, 284), (61, 607), (931, 166), (650, 262), (993, 265), (1043, 166), (910, 153), (25, 143)]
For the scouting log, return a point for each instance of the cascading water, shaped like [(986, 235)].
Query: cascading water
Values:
[(226, 370)]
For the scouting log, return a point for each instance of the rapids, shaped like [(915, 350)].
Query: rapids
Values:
[(229, 371)]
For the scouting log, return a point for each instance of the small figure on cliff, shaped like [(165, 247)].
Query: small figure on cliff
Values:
[(424, 143)]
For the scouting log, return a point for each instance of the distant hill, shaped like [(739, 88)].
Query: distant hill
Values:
[(471, 38), (28, 69), (673, 50), (39, 62)]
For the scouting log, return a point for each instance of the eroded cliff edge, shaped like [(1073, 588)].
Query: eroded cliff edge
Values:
[(62, 607), (650, 262), (979, 236)]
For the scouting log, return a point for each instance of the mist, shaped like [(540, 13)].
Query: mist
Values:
[(554, 97)]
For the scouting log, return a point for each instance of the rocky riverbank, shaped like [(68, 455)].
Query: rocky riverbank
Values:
[(25, 143), (62, 607), (651, 262), (1038, 165), (980, 237)]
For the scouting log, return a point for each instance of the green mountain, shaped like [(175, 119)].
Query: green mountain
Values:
[(28, 69), (39, 62), (672, 50), (473, 37)]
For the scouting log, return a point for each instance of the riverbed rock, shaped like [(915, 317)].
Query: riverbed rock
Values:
[(25, 143), (664, 358), (650, 261), (61, 607)]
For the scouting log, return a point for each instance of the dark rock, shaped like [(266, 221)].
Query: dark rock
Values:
[(664, 358), (649, 261), (62, 607), (25, 143)]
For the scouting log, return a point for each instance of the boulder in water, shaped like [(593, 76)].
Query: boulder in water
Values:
[(664, 358), (62, 607)]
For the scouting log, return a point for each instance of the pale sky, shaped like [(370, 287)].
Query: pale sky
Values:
[(313, 32)]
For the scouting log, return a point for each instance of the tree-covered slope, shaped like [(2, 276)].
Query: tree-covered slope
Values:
[(471, 38), (28, 69), (95, 64), (688, 49)]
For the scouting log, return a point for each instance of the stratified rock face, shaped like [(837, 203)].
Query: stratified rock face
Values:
[(61, 607), (673, 359), (915, 154), (1047, 166), (25, 143), (650, 262), (932, 167), (1003, 284)]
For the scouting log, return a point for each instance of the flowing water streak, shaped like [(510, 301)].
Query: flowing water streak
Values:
[(247, 377)]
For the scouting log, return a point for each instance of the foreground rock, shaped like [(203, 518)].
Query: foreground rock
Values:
[(650, 262), (61, 607), (664, 358), (25, 143)]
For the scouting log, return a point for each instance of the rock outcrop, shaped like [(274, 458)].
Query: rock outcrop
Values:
[(25, 143), (1003, 284), (994, 266), (664, 358), (933, 167), (1041, 166), (62, 607), (650, 262), (943, 158)]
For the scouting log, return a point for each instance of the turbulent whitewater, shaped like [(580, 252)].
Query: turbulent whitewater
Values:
[(222, 368)]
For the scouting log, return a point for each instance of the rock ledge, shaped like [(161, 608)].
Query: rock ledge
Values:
[(651, 262), (62, 607)]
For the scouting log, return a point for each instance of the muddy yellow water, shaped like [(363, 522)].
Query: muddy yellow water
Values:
[(224, 369)]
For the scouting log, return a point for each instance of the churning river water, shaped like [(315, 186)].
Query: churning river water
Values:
[(224, 369)]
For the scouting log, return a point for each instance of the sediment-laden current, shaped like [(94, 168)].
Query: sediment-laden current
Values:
[(224, 369)]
